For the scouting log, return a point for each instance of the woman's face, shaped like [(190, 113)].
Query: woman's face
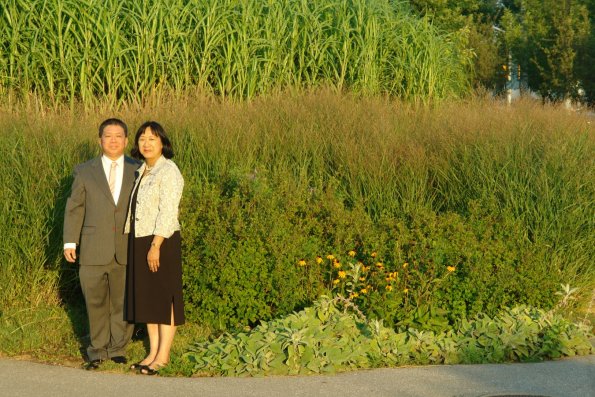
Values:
[(150, 145)]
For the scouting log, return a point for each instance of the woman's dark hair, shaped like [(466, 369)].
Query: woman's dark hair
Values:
[(157, 130)]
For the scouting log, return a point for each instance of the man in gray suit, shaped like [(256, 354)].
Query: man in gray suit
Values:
[(94, 218)]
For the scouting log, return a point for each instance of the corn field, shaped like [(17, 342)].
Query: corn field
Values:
[(120, 51)]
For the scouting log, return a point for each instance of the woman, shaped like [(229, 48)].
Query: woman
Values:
[(154, 274)]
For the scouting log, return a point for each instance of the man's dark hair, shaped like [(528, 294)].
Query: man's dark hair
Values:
[(157, 130), (113, 122)]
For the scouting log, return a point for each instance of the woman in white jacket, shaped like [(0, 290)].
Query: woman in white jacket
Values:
[(154, 274)]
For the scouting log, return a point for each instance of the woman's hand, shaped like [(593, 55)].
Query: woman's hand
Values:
[(153, 258), (153, 255)]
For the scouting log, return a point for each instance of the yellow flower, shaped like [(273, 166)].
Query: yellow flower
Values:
[(364, 291), (373, 254), (302, 262), (379, 264), (351, 253), (405, 265), (354, 295), (318, 260), (406, 290), (336, 281), (342, 274), (365, 268), (394, 274), (389, 287), (337, 264), (362, 279), (389, 278), (451, 268), (330, 256)]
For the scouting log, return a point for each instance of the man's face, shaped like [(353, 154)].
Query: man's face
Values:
[(113, 141)]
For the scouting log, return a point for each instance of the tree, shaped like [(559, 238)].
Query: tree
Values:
[(544, 37), (552, 40), (586, 58), (474, 20)]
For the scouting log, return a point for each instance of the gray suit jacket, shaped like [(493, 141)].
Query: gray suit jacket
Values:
[(92, 219)]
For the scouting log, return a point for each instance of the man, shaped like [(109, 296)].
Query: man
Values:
[(94, 218)]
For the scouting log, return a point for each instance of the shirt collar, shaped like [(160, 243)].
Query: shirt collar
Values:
[(107, 161)]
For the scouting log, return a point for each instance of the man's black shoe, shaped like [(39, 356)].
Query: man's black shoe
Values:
[(93, 364), (119, 360)]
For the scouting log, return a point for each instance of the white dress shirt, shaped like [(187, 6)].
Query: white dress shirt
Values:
[(107, 165)]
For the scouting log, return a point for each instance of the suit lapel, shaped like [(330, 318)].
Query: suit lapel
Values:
[(101, 180), (127, 180)]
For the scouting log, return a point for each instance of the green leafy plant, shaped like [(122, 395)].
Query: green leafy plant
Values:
[(333, 335)]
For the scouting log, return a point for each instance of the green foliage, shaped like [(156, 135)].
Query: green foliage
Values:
[(503, 195), (319, 339), (544, 38), (118, 52), (408, 283), (586, 58), (34, 282), (449, 14), (553, 41), (435, 269), (332, 336), (239, 243), (473, 21), (44, 330)]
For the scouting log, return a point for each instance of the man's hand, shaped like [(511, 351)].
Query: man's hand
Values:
[(70, 255)]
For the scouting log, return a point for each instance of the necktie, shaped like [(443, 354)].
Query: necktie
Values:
[(112, 177)]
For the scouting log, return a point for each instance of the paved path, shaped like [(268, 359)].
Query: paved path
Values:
[(571, 377)]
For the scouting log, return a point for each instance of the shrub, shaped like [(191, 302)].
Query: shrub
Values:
[(274, 228)]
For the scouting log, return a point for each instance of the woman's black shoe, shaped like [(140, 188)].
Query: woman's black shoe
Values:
[(136, 366), (146, 370)]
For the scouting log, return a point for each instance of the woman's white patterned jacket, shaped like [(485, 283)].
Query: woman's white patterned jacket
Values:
[(157, 200)]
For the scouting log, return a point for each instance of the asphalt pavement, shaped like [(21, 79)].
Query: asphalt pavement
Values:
[(569, 377)]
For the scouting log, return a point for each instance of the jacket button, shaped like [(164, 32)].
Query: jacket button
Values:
[(136, 219)]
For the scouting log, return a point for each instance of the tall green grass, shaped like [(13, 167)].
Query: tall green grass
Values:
[(527, 169), (120, 51)]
